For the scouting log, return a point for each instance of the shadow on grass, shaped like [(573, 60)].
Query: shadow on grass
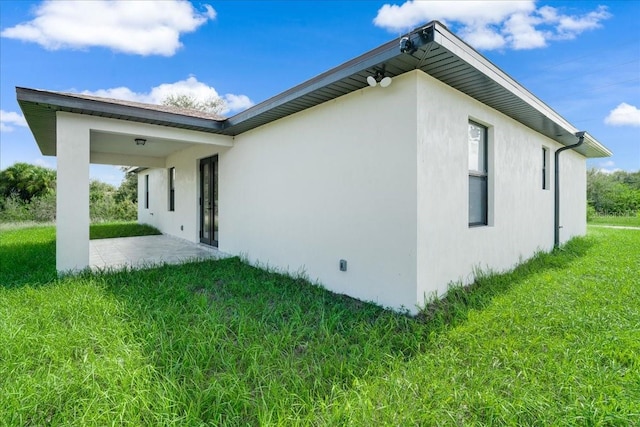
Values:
[(28, 254), (234, 344), (230, 342), (455, 306), (227, 338)]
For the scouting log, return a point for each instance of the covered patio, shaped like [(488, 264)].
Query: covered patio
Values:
[(147, 251), (81, 130)]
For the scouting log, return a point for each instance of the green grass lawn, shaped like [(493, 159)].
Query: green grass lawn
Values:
[(109, 230), (27, 252), (629, 221), (556, 342)]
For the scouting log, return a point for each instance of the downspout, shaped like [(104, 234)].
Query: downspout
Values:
[(556, 216)]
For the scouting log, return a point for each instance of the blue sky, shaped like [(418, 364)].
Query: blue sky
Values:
[(581, 58)]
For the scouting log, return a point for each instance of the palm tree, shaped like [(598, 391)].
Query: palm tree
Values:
[(26, 181)]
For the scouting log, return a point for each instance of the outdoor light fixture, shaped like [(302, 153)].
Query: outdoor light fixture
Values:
[(140, 141), (379, 78)]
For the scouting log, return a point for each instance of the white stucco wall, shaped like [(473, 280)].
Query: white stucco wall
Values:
[(334, 182), (573, 195), (520, 211), (72, 188), (337, 181), (378, 178), (184, 221)]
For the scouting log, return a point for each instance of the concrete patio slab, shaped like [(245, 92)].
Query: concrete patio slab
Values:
[(144, 251)]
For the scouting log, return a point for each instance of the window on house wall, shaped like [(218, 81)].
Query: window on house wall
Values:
[(545, 168), (172, 189), (146, 191), (478, 174)]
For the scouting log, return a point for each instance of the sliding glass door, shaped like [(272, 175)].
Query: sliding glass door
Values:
[(209, 201)]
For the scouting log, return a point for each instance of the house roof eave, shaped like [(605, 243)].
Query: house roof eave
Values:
[(434, 50), (40, 107)]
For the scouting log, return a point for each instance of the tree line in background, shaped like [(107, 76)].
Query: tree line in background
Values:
[(616, 193), (29, 194)]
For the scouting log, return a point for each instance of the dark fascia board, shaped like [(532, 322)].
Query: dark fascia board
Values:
[(369, 60), (468, 54), (433, 33), (382, 54), (63, 102)]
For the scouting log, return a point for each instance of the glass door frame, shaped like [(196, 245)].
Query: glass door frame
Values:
[(209, 232)]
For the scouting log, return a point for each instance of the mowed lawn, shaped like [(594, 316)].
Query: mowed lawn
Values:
[(556, 342)]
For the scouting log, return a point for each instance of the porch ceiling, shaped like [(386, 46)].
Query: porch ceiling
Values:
[(121, 149), (124, 144)]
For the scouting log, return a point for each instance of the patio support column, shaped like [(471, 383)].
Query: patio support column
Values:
[(72, 204)]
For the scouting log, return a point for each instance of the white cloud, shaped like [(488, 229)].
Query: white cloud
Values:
[(607, 167), (492, 24), (44, 163), (623, 115), (9, 119), (135, 27), (190, 86), (483, 36), (521, 33), (570, 26), (238, 102), (608, 171)]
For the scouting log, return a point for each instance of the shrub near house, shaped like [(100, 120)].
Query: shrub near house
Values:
[(29, 194), (614, 194)]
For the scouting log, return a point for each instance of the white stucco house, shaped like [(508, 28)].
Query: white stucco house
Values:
[(387, 194)]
